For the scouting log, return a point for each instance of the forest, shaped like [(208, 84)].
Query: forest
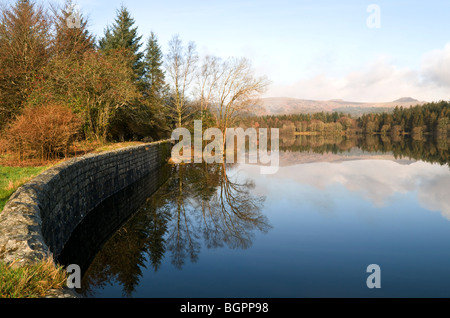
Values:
[(417, 121)]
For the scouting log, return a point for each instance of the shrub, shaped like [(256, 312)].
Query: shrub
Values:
[(3, 145), (44, 132)]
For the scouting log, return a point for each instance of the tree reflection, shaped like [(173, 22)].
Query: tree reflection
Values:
[(207, 202), (199, 204), (232, 214), (425, 148)]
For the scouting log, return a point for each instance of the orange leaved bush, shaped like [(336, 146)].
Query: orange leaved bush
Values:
[(44, 132)]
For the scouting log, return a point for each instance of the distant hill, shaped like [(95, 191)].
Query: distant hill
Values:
[(287, 105), (406, 100)]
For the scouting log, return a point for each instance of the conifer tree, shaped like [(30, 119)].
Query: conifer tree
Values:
[(156, 88), (155, 78), (72, 37), (122, 35)]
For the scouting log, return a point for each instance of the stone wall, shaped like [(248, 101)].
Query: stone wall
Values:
[(108, 217), (40, 216)]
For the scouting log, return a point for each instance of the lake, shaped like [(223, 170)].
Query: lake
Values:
[(311, 230)]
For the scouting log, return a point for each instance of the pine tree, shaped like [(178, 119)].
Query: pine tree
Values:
[(156, 88), (155, 77), (123, 36), (70, 39)]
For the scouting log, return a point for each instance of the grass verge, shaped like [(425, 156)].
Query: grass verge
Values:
[(31, 281), (12, 178)]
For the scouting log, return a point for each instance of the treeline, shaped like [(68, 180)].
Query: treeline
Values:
[(58, 83), (428, 119), (432, 118)]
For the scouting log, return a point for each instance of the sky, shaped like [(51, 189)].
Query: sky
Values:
[(309, 49)]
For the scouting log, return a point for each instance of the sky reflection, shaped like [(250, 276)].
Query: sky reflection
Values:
[(377, 181)]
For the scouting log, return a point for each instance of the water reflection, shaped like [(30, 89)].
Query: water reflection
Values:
[(376, 181), (425, 148), (200, 205), (397, 165), (217, 206)]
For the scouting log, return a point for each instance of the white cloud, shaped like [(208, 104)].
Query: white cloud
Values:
[(436, 67), (378, 81)]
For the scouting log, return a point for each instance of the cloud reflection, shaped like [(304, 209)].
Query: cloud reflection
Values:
[(377, 181)]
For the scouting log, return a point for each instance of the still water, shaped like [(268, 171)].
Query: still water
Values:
[(310, 230)]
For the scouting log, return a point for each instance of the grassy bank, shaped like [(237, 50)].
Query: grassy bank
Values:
[(12, 178), (30, 281)]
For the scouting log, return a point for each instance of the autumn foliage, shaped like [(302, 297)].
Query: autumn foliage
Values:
[(44, 132), (45, 61), (24, 42)]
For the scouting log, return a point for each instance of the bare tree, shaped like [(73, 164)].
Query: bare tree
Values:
[(181, 66), (207, 80), (237, 90), (228, 88)]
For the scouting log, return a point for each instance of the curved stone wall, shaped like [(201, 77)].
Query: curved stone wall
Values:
[(108, 217), (41, 215)]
